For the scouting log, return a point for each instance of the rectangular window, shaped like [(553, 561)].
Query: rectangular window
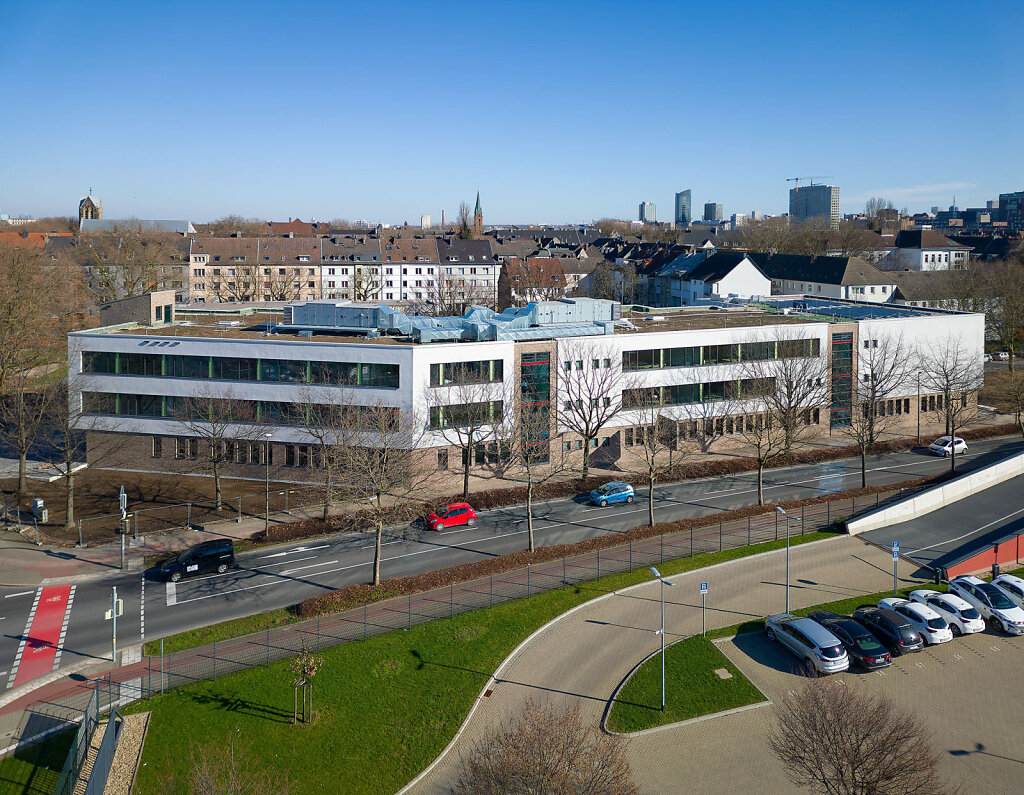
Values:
[(478, 372), (283, 371), (158, 447), (464, 415)]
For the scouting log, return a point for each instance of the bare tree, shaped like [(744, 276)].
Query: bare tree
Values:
[(466, 403), (225, 425), (885, 364), (834, 739), (225, 770), (590, 387), (328, 423), (546, 750), (1003, 283), (25, 407), (464, 222), (381, 469), (126, 261), (1013, 393), (953, 371), (799, 373), (229, 224), (655, 437), (762, 430)]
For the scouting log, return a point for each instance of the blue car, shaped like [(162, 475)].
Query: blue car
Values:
[(615, 491)]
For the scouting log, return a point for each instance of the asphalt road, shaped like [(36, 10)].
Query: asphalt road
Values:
[(282, 576), (973, 523)]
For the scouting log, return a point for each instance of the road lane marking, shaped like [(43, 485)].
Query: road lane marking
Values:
[(172, 594), (64, 630), (972, 532), (310, 566), (24, 637), (281, 563), (293, 551), (37, 657), (20, 593)]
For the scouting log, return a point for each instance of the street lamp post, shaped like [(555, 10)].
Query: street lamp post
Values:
[(266, 459), (661, 631), (788, 518)]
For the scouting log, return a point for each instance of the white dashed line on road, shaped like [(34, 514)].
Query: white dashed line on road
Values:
[(64, 629), (24, 637), (310, 566), (20, 593)]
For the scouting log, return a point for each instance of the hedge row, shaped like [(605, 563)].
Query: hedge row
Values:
[(357, 595)]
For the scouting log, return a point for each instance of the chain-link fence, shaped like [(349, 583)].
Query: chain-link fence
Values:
[(79, 746), (162, 672)]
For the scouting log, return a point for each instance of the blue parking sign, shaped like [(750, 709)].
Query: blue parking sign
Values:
[(703, 587), (895, 550)]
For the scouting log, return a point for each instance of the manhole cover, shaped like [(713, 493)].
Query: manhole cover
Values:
[(723, 673)]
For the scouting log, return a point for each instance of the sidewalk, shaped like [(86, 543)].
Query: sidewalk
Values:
[(581, 657)]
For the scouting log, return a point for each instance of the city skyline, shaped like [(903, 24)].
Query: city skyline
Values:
[(168, 122)]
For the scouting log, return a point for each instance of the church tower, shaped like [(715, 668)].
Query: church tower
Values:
[(478, 218), (90, 208)]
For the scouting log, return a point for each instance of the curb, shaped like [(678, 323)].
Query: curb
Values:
[(495, 677)]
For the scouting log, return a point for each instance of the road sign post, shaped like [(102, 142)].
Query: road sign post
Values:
[(895, 565), (116, 609), (122, 501), (703, 622)]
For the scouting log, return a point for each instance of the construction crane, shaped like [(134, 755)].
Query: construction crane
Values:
[(809, 179)]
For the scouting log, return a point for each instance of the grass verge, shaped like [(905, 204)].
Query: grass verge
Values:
[(35, 770), (692, 688), (222, 631), (398, 697)]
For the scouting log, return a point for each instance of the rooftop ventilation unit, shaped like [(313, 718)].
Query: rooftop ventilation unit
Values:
[(229, 322)]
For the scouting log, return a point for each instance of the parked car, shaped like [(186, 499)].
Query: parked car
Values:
[(961, 617), (1014, 587), (1003, 356), (613, 491), (946, 445), (991, 601), (458, 513), (897, 634), (863, 648), (818, 649), (931, 626), (987, 357), (217, 555)]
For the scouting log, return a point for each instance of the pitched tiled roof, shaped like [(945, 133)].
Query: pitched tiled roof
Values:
[(535, 271), (717, 266), (924, 238), (825, 270)]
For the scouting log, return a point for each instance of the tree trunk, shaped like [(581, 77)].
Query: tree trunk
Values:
[(328, 497), (465, 473), (529, 512), (22, 473), (216, 484), (376, 546), (760, 482), (585, 467), (952, 452), (69, 498), (650, 497)]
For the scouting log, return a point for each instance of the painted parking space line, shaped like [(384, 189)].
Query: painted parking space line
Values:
[(39, 649)]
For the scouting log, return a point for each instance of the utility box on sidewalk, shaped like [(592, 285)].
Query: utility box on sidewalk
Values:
[(39, 511)]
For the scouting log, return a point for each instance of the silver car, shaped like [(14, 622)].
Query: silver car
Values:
[(819, 650)]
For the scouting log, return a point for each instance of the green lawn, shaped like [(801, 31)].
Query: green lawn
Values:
[(225, 629), (387, 705), (692, 688), (35, 770)]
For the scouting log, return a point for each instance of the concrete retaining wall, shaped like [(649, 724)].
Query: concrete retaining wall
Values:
[(940, 496)]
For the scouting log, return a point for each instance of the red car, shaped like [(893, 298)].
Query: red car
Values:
[(451, 515)]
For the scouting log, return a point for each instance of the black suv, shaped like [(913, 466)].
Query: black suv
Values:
[(860, 644), (217, 555), (895, 631)]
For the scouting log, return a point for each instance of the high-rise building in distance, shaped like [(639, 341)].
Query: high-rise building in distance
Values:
[(815, 201), (647, 213), (1011, 209), (684, 214), (713, 211)]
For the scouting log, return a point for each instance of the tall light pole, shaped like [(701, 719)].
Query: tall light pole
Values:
[(266, 459), (661, 631), (788, 518)]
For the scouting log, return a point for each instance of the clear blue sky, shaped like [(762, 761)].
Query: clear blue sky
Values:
[(555, 111)]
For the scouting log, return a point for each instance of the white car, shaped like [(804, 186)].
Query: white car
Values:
[(991, 601), (931, 625), (961, 617), (945, 445), (1003, 356), (987, 357), (1014, 587)]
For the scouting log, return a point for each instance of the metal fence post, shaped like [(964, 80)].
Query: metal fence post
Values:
[(719, 534), (691, 541), (527, 579), (662, 553), (81, 542), (188, 519), (410, 612), (451, 598), (853, 506), (631, 555), (564, 582), (876, 499), (599, 564), (136, 523), (161, 665), (776, 525), (239, 509), (748, 531), (318, 633), (215, 661), (828, 512), (268, 645), (490, 592), (364, 622), (149, 680)]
